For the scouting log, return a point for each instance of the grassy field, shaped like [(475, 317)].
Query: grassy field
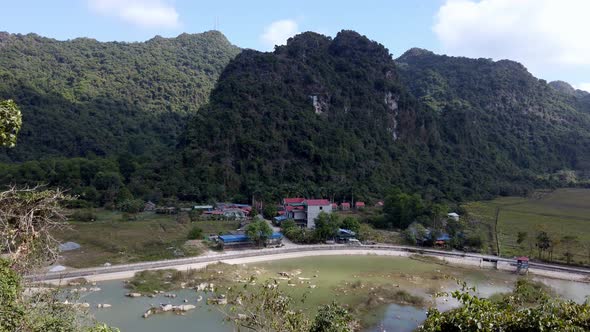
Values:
[(560, 213), (368, 232), (149, 237)]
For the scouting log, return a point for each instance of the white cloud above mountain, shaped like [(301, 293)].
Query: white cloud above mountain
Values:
[(141, 13), (583, 86), (278, 32), (535, 32)]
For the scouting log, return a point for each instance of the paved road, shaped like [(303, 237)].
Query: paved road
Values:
[(296, 249)]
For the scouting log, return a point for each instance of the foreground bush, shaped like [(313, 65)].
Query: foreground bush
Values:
[(514, 312)]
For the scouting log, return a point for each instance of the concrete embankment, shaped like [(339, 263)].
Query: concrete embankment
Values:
[(473, 260)]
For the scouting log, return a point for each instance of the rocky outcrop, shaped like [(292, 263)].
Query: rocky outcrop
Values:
[(179, 309), (392, 106)]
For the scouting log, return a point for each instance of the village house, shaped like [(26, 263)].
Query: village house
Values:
[(344, 206), (226, 210), (305, 211), (359, 205)]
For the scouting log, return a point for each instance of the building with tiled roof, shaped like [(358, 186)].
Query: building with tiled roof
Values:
[(305, 211)]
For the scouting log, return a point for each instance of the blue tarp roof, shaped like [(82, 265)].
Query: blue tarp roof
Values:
[(230, 238), (281, 218), (233, 238)]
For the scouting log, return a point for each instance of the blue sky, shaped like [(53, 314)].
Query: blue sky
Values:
[(547, 36)]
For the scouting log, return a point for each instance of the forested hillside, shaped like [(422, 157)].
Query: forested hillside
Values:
[(83, 97), (579, 96), (316, 117), (332, 117), (498, 111)]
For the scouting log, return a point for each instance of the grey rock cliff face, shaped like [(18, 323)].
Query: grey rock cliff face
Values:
[(391, 102)]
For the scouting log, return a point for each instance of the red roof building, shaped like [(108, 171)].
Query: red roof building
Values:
[(305, 211), (345, 206), (317, 202), (297, 200), (334, 206), (359, 205)]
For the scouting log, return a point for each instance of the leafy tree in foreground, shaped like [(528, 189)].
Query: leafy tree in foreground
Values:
[(27, 218), (332, 318), (259, 231), (351, 223), (131, 205), (521, 237), (195, 233), (509, 314), (326, 226), (569, 241), (265, 308), (10, 122), (270, 211), (544, 243)]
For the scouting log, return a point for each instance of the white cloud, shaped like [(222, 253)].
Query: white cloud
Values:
[(143, 13), (583, 86), (278, 32), (535, 32)]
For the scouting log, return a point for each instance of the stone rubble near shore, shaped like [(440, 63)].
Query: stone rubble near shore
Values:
[(178, 309)]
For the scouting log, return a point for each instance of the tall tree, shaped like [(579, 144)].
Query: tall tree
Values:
[(326, 226), (351, 223), (521, 237), (28, 217), (259, 231), (569, 241), (544, 243), (10, 122)]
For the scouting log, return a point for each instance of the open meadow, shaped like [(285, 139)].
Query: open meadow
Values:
[(110, 238), (564, 214)]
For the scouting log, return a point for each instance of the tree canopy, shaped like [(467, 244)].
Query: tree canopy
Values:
[(82, 97), (10, 122), (258, 231)]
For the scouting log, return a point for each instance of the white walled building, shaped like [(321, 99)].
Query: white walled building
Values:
[(314, 207), (305, 211)]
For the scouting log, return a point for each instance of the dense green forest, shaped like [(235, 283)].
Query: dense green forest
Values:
[(333, 117), (320, 116), (83, 97)]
